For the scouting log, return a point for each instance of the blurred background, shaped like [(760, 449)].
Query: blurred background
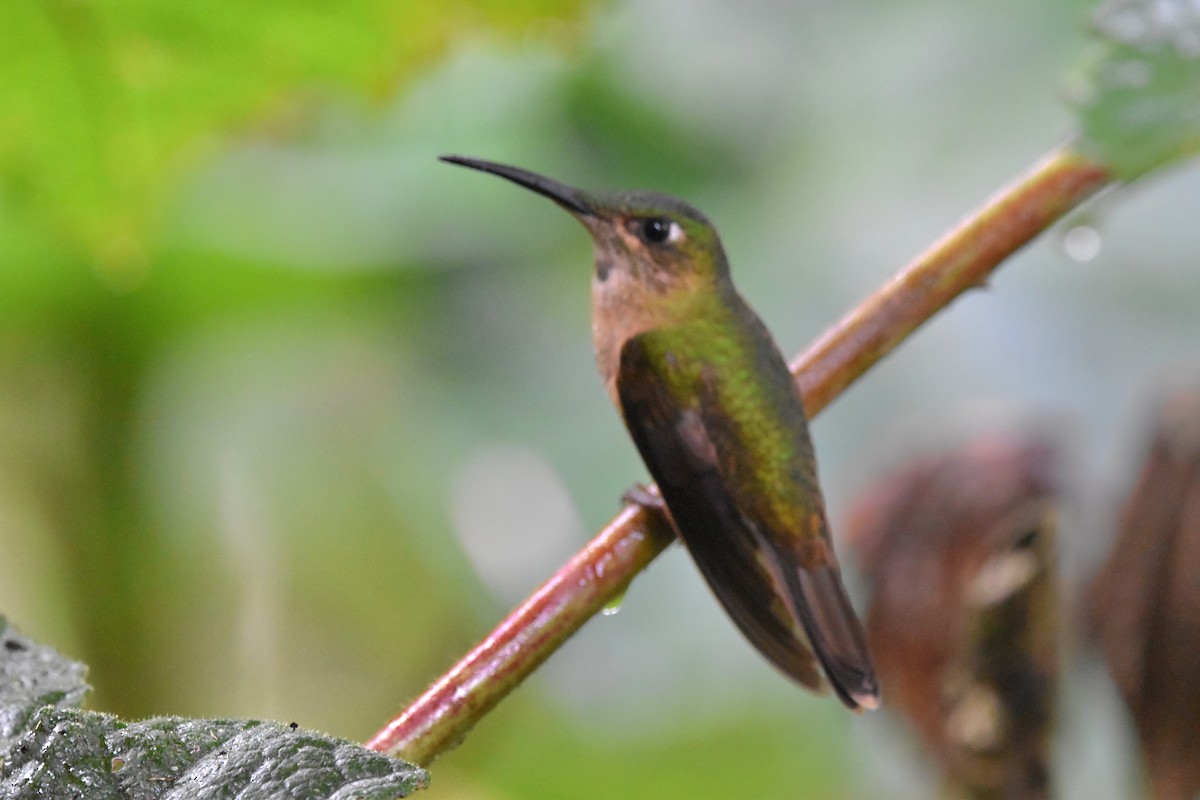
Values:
[(291, 414)]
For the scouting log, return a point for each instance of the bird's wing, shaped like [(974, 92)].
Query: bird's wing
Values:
[(781, 599)]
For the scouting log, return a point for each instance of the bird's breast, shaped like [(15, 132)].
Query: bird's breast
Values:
[(617, 317)]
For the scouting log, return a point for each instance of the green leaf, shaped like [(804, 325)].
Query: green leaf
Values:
[(48, 749), (1139, 101)]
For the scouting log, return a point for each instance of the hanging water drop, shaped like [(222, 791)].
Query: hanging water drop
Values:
[(1082, 243), (614, 605)]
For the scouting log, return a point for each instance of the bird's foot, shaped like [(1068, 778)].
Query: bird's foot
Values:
[(645, 495)]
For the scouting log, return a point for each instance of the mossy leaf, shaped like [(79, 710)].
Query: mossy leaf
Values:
[(48, 748)]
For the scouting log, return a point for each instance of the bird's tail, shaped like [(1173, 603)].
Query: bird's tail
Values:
[(837, 637)]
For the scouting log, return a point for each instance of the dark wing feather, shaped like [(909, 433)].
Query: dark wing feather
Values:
[(780, 605)]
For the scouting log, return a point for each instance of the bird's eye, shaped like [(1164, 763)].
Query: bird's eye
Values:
[(657, 230)]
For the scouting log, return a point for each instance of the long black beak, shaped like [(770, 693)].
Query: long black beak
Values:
[(571, 199)]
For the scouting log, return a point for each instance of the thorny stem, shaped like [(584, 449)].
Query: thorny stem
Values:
[(440, 718)]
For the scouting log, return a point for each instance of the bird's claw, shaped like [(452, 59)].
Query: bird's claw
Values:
[(644, 495)]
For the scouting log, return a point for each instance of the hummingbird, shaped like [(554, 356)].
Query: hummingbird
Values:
[(719, 422)]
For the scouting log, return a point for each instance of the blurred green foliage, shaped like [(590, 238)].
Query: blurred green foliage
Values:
[(106, 106), (1139, 101), (290, 414)]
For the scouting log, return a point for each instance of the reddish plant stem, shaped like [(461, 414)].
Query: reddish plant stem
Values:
[(962, 259), (440, 718)]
